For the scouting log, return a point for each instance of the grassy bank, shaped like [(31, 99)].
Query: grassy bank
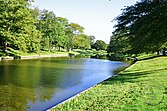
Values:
[(142, 87), (91, 52), (43, 53), (14, 54)]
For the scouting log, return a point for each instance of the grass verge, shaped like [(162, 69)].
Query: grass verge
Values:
[(142, 87), (91, 52), (43, 53)]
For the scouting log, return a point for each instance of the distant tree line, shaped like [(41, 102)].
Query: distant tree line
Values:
[(141, 28), (30, 29)]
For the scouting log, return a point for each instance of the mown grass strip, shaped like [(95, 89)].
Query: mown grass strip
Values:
[(143, 87)]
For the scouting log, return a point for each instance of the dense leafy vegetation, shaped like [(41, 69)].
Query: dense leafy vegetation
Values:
[(141, 28), (17, 29), (24, 29), (100, 45)]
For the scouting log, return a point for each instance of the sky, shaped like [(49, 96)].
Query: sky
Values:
[(94, 15)]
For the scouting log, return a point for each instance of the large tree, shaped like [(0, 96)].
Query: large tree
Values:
[(81, 41), (47, 24), (17, 28), (62, 37), (92, 40), (53, 30), (143, 25), (100, 45), (72, 30)]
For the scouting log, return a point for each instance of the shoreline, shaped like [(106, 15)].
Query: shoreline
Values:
[(84, 91), (33, 57), (130, 86), (43, 56)]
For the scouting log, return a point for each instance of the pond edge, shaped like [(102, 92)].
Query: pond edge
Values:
[(83, 91)]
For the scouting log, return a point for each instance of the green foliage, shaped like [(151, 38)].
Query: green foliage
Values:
[(76, 28), (73, 30), (91, 52), (81, 41), (92, 40), (118, 45), (142, 27), (62, 38), (53, 30), (142, 87), (31, 30), (100, 45), (47, 24), (17, 25)]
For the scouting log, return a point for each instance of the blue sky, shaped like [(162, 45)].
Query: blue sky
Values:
[(94, 15)]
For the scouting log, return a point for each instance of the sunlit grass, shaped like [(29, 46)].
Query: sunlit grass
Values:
[(43, 53), (91, 52), (142, 87), (145, 56)]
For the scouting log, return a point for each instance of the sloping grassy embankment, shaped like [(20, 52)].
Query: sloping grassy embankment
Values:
[(141, 87)]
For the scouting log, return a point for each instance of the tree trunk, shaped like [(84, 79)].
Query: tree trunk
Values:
[(163, 52), (69, 49), (157, 52), (5, 46), (59, 48)]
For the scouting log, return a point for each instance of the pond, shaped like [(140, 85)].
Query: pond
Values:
[(39, 84)]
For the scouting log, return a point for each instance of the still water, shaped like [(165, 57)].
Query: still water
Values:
[(39, 84)]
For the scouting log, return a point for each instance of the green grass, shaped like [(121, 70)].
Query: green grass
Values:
[(43, 53), (146, 56), (142, 87), (91, 52), (12, 52)]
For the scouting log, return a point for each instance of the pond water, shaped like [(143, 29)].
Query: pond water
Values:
[(39, 84)]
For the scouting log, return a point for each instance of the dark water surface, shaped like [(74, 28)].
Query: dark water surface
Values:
[(39, 84)]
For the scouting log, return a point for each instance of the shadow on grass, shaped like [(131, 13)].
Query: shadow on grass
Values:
[(131, 76), (135, 75), (147, 58)]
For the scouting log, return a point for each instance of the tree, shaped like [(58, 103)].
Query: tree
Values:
[(118, 45), (73, 30), (143, 26), (81, 41), (100, 45), (17, 25), (33, 41), (62, 38), (76, 28), (53, 30), (47, 25), (92, 40)]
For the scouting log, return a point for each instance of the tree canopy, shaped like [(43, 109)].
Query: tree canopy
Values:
[(100, 45), (141, 28), (17, 29), (82, 41), (30, 29)]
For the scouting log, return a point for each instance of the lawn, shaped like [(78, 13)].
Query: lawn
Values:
[(91, 52), (141, 87)]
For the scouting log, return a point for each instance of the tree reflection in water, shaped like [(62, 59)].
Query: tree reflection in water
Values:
[(38, 83)]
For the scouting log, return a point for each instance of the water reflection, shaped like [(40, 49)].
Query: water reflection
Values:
[(41, 83)]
